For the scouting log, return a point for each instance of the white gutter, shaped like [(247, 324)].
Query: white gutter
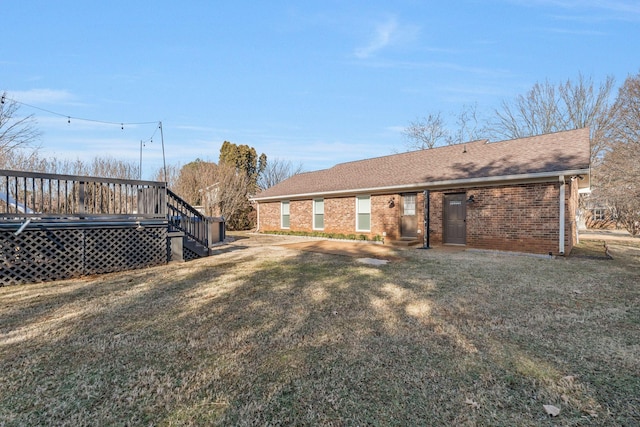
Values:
[(431, 185), (562, 219)]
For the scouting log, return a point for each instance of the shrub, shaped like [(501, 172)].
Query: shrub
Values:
[(362, 237)]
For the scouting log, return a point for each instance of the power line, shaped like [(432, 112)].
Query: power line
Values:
[(69, 117), (4, 98)]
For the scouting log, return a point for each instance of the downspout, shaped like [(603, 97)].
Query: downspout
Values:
[(427, 219), (258, 217), (562, 213)]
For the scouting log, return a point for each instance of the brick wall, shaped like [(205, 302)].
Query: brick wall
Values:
[(515, 218), (385, 216), (521, 218), (269, 216), (301, 215), (340, 215)]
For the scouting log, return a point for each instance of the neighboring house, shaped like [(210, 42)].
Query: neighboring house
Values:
[(209, 200), (517, 195), (599, 216)]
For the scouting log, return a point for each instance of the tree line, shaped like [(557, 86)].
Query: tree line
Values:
[(219, 189), (224, 188), (613, 120)]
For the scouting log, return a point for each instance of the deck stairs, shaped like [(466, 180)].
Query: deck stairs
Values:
[(197, 248), (189, 224)]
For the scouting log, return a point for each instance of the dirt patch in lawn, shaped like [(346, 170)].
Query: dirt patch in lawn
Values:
[(352, 249)]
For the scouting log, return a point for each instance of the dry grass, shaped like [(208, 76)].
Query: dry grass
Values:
[(590, 249), (265, 335)]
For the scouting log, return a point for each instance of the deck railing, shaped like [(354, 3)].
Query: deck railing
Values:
[(25, 195), (60, 226), (185, 218)]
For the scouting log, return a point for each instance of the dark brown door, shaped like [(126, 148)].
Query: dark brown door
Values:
[(409, 220), (455, 218)]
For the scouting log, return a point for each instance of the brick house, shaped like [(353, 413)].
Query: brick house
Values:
[(517, 195)]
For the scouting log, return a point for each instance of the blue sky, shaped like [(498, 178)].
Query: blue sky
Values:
[(315, 82)]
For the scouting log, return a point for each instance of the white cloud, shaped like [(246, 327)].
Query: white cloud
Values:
[(42, 96), (386, 34), (382, 37)]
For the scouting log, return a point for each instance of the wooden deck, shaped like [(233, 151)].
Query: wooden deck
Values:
[(60, 226)]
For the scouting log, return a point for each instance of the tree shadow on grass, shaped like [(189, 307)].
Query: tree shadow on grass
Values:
[(302, 338)]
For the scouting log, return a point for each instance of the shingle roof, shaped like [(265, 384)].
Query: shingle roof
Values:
[(556, 152)]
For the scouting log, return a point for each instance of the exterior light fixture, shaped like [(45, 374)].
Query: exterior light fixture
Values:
[(471, 199)]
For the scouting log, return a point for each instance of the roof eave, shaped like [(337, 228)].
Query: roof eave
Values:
[(435, 185)]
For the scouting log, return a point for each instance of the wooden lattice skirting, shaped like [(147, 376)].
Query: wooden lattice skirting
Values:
[(47, 252)]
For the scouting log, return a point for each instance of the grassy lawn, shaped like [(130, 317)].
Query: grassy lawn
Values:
[(264, 335)]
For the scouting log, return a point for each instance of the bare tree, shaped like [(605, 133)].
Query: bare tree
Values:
[(427, 132), (110, 167), (618, 172), (432, 131), (24, 160), (231, 200), (534, 113), (172, 175), (618, 188), (15, 132), (467, 126), (276, 171), (194, 181), (221, 190), (547, 108), (33, 161), (627, 117)]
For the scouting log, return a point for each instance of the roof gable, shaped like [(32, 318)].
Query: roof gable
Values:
[(557, 152)]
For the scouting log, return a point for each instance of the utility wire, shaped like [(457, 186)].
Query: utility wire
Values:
[(68, 117), (5, 98)]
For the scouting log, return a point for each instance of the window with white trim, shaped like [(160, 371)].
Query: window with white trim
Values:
[(363, 213), (598, 214), (318, 214), (284, 214)]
